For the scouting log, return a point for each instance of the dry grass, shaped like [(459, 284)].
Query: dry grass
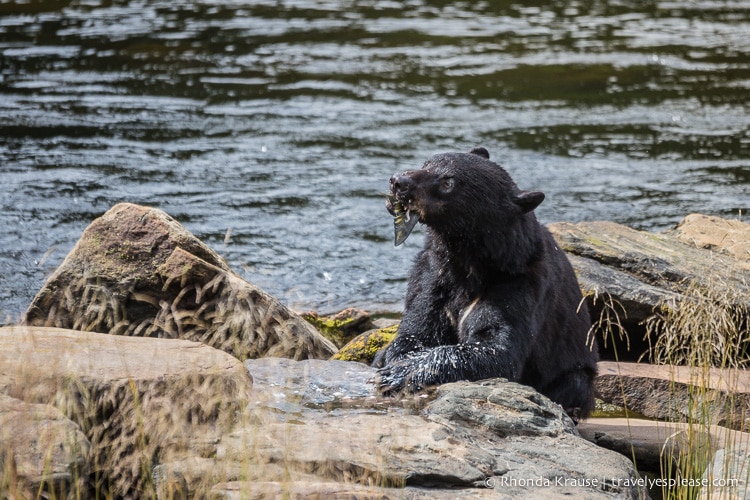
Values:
[(609, 328), (707, 329)]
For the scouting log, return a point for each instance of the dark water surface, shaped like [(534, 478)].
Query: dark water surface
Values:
[(269, 129)]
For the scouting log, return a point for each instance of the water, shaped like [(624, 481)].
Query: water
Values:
[(270, 128)]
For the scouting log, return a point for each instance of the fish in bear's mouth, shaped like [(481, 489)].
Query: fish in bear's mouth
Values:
[(404, 219)]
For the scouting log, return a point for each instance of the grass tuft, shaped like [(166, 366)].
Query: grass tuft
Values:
[(705, 330)]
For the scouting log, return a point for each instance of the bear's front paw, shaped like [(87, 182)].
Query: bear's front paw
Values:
[(403, 347), (392, 378)]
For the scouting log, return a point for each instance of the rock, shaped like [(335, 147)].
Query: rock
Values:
[(139, 401), (40, 450), (533, 439), (384, 322), (317, 429), (627, 275), (247, 490), (728, 237), (650, 443), (136, 271), (177, 479), (678, 393), (514, 409), (341, 327), (365, 346), (657, 259), (726, 477), (311, 428), (360, 448)]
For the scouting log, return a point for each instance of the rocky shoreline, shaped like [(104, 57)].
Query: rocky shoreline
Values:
[(145, 367)]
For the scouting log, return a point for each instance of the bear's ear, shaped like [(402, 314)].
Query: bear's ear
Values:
[(528, 200), (480, 151)]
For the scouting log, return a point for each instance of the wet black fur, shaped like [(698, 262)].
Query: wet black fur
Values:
[(491, 294)]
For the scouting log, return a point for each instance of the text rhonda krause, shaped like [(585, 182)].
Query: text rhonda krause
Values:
[(604, 483)]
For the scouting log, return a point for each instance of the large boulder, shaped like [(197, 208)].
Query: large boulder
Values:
[(136, 271), (628, 275), (318, 429), (139, 401), (41, 450)]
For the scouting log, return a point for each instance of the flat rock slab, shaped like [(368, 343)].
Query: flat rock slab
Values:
[(318, 429), (135, 399), (136, 271), (34, 361), (656, 259), (652, 443), (670, 392), (40, 450)]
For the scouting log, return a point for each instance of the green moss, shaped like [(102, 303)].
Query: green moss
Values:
[(340, 328), (325, 324), (364, 347)]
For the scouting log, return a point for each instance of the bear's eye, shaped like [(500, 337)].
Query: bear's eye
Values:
[(447, 184)]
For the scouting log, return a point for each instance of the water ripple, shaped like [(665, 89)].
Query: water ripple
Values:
[(269, 128)]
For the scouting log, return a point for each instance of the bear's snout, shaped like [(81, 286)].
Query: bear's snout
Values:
[(402, 189), (401, 185)]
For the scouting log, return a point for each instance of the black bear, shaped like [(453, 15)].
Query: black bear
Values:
[(491, 294)]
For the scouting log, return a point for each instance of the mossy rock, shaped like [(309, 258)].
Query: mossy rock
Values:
[(342, 327), (365, 346)]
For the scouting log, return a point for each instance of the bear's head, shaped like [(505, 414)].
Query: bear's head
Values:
[(460, 195)]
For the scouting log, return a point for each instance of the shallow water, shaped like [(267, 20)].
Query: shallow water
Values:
[(270, 129)]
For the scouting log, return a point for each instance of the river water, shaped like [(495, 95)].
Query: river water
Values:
[(270, 128)]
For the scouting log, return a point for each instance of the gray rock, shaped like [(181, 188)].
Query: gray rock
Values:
[(627, 275), (517, 410), (247, 490), (486, 439), (176, 419), (538, 452), (40, 450), (317, 383), (136, 271), (726, 477), (657, 259)]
